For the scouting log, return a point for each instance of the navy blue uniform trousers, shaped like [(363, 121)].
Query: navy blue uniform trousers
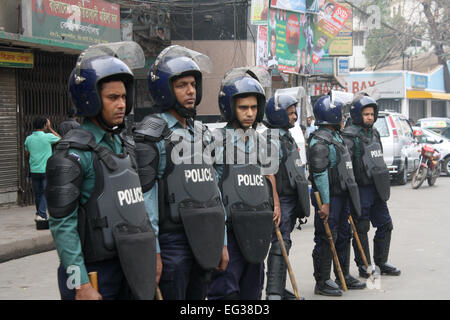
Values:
[(337, 221), (241, 280), (182, 277), (373, 208), (111, 281)]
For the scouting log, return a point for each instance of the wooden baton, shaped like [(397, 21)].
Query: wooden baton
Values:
[(333, 249), (286, 260), (93, 280)]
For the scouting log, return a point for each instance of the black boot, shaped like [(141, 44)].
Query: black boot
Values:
[(322, 269), (351, 282), (362, 227), (381, 251), (276, 272)]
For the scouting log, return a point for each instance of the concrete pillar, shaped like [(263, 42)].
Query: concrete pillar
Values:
[(428, 108), (405, 108)]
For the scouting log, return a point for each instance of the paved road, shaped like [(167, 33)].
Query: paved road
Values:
[(420, 248)]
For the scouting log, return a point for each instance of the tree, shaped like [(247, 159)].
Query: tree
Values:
[(439, 32), (395, 34)]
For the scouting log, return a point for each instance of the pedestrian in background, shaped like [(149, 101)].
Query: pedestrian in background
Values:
[(69, 124), (38, 148)]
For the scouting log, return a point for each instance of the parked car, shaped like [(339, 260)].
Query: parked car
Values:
[(399, 145), (436, 124), (440, 143)]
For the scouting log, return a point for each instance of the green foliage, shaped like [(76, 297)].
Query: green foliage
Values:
[(385, 42)]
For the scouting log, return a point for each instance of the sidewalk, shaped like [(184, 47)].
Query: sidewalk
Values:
[(18, 234)]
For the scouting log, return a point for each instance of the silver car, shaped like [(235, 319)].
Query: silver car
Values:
[(399, 145)]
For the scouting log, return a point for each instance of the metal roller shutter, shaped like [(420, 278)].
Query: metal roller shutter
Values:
[(9, 158)]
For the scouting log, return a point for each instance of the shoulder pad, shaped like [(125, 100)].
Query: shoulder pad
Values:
[(147, 158), (318, 157), (376, 133), (323, 135), (64, 179), (77, 138), (151, 128), (350, 131), (127, 139)]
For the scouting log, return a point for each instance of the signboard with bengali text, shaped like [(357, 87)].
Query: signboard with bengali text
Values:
[(78, 21), (16, 59)]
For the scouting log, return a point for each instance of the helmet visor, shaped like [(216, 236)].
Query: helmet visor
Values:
[(258, 73), (203, 61), (129, 52)]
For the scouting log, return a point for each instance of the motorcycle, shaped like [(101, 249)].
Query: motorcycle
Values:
[(429, 167)]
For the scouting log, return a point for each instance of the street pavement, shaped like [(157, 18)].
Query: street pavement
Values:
[(420, 248)]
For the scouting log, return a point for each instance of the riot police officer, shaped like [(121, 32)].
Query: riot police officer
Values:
[(364, 144), (97, 213), (332, 176), (180, 185), (246, 194), (292, 190)]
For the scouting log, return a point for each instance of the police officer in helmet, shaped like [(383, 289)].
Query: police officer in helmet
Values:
[(180, 185), (245, 191), (292, 190), (364, 144), (94, 194), (332, 176)]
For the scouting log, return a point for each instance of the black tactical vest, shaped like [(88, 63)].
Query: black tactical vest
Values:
[(114, 222), (341, 177), (189, 198), (370, 167), (291, 180), (116, 198), (247, 201)]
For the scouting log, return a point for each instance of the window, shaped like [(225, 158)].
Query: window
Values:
[(358, 38), (382, 127), (406, 128), (415, 43)]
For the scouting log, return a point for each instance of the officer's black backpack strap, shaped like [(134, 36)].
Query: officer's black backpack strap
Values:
[(318, 153), (64, 174), (149, 131)]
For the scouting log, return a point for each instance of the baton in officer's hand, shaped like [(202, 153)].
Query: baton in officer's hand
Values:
[(333, 249), (361, 250), (286, 260), (93, 280)]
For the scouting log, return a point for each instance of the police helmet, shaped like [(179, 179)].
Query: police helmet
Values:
[(328, 111), (85, 79), (172, 63), (240, 82), (358, 104), (276, 110)]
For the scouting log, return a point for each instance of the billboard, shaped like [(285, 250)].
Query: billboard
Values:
[(259, 11), (301, 6), (331, 19), (261, 47), (85, 22), (342, 44)]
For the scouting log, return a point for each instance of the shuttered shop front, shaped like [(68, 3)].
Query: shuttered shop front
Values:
[(9, 158)]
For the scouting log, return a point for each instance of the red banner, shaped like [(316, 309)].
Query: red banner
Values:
[(96, 12)]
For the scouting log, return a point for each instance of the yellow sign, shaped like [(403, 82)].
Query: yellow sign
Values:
[(14, 59)]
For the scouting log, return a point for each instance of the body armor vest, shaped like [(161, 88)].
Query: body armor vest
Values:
[(291, 180), (247, 202), (370, 168), (114, 222), (341, 177), (189, 198)]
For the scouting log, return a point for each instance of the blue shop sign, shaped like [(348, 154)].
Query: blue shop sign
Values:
[(418, 81)]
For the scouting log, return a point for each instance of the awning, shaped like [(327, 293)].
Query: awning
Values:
[(416, 94)]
